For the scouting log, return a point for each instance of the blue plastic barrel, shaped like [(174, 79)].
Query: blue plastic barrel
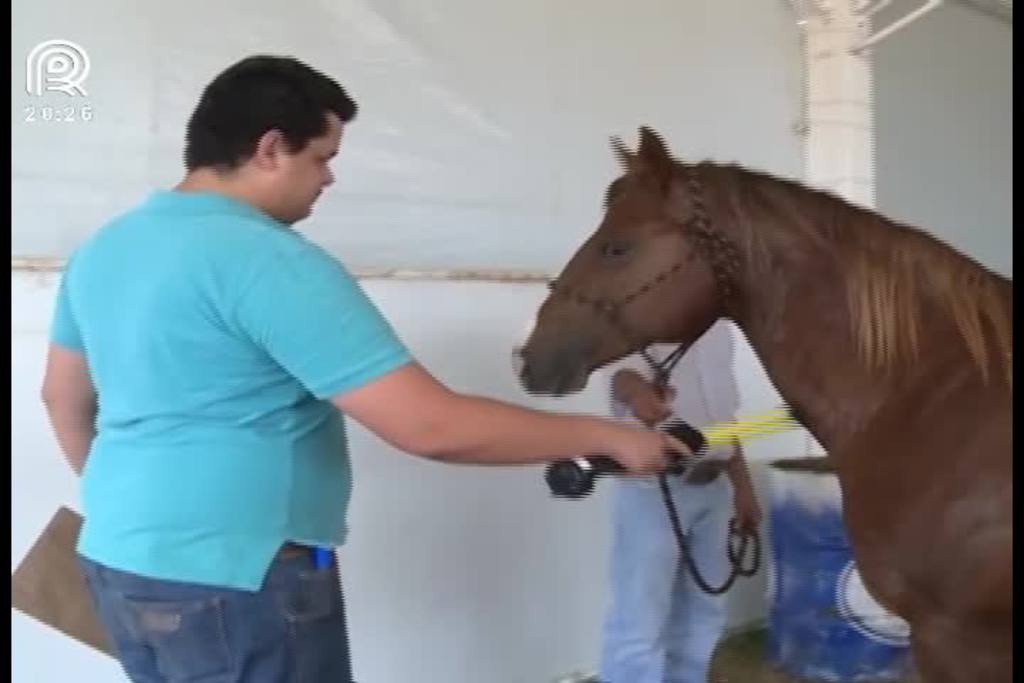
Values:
[(823, 625)]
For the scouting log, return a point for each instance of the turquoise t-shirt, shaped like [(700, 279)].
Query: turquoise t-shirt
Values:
[(214, 336)]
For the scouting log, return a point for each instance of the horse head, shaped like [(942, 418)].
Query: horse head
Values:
[(649, 273)]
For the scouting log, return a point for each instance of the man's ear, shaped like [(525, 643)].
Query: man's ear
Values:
[(269, 149)]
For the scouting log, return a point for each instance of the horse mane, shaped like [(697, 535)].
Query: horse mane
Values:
[(890, 270)]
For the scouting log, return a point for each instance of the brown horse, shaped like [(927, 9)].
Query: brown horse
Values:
[(893, 350)]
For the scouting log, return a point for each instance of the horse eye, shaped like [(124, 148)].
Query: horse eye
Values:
[(615, 249)]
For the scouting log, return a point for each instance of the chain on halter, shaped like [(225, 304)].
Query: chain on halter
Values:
[(723, 258)]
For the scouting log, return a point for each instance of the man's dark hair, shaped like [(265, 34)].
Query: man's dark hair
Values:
[(255, 95)]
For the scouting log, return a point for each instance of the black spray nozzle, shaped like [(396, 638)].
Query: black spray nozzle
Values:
[(575, 478)]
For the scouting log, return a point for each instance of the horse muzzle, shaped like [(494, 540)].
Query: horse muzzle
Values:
[(554, 371)]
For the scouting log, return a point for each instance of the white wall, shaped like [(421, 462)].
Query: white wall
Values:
[(944, 132), (453, 574), (482, 135)]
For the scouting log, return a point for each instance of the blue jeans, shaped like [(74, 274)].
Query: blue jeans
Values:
[(291, 631), (661, 627)]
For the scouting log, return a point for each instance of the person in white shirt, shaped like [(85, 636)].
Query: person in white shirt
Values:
[(660, 626)]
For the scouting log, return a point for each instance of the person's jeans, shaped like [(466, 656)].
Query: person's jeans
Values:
[(661, 627), (291, 631)]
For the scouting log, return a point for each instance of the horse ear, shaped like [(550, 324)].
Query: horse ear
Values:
[(653, 148), (625, 157), (653, 154)]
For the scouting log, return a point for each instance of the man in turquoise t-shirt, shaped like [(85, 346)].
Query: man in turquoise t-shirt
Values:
[(202, 356)]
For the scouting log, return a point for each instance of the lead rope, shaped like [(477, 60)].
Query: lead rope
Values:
[(737, 540)]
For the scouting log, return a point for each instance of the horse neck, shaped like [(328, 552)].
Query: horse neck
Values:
[(807, 351), (793, 310)]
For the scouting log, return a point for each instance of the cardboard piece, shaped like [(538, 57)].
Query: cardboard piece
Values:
[(48, 584)]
